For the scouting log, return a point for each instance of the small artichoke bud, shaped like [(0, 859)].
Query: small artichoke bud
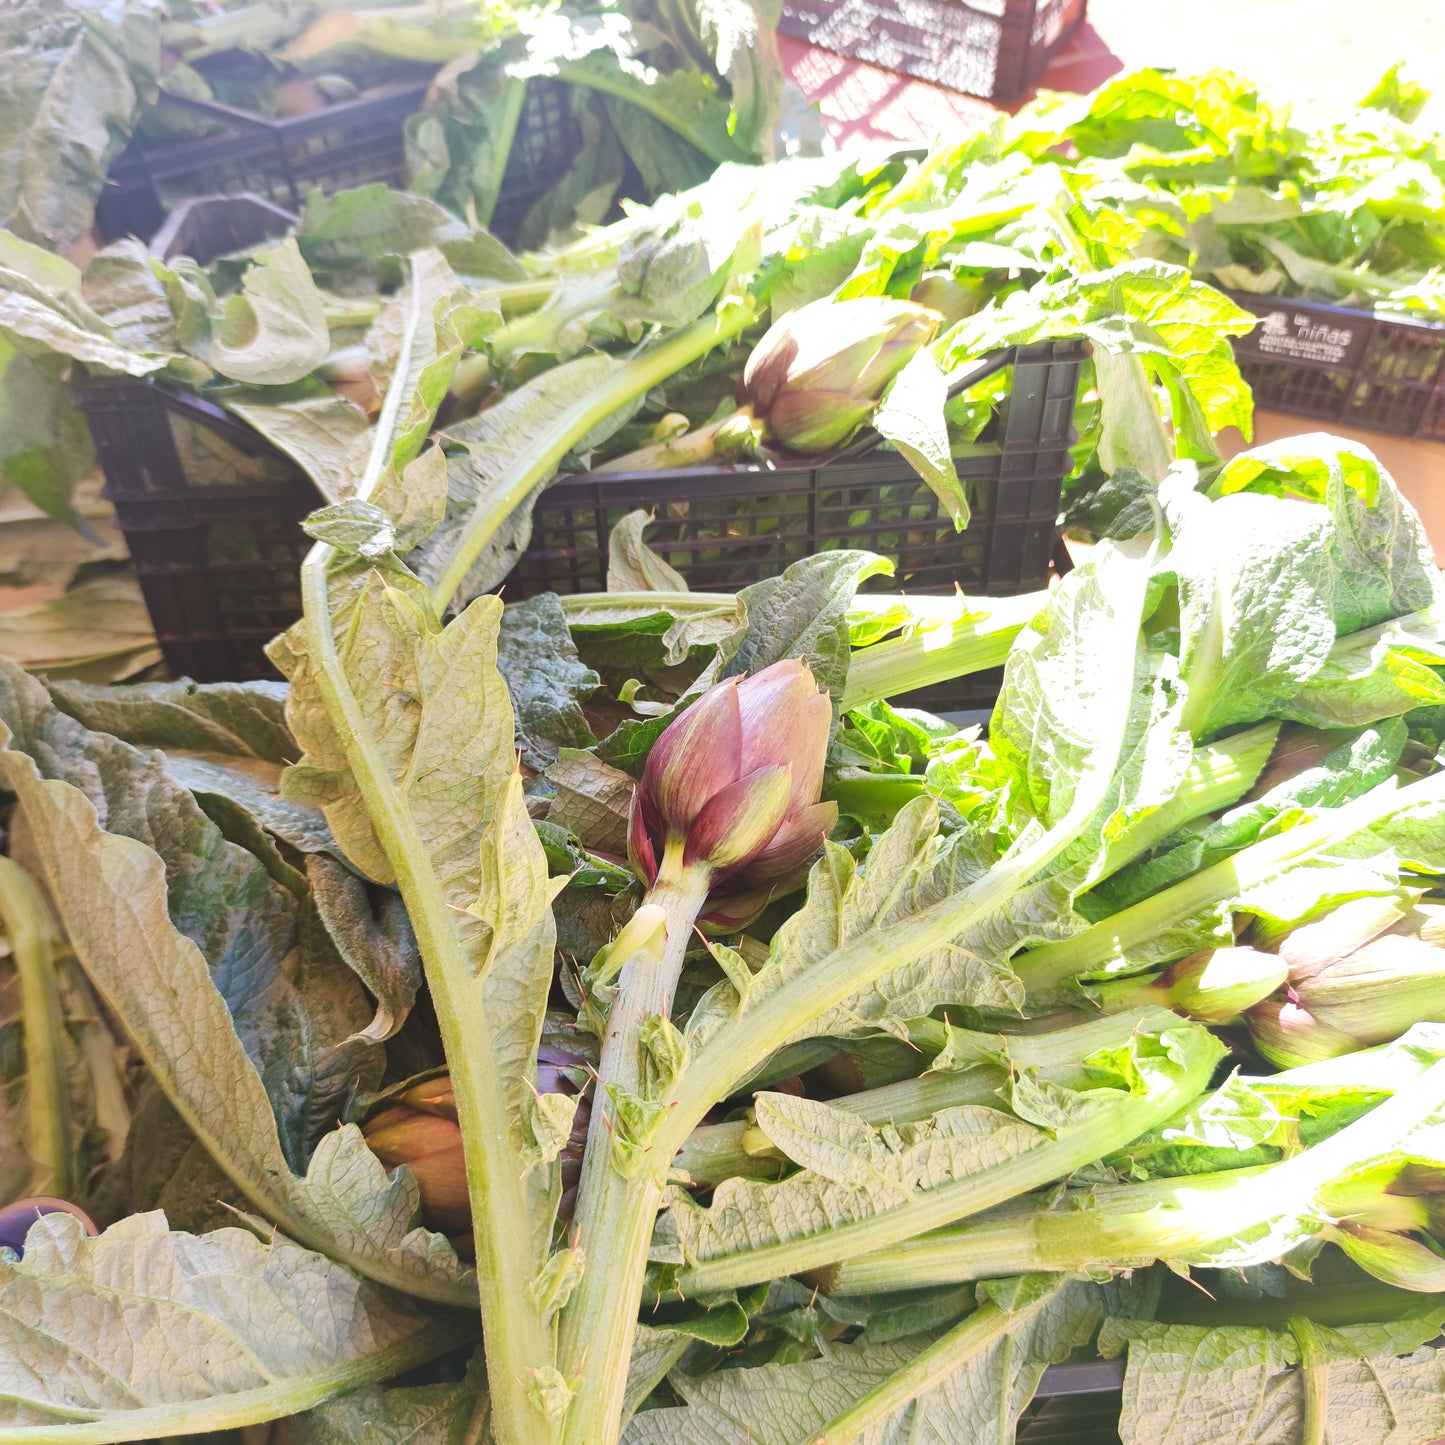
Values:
[(732, 787), (1217, 987), (1289, 1036), (430, 1145), (949, 295), (819, 372), (419, 1128)]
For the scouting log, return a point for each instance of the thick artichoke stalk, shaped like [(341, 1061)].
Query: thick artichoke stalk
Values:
[(726, 812)]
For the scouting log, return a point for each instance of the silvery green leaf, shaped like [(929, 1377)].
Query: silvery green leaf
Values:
[(160, 947), (1242, 1385), (373, 936), (514, 939), (1377, 672), (449, 1414), (592, 800), (976, 1390), (143, 1332), (632, 566), (1256, 615), (488, 444), (1382, 563), (233, 719), (326, 435), (67, 106)]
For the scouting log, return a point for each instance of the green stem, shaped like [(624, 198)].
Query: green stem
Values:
[(502, 119), (972, 1336), (537, 331), (616, 1210), (1024, 1237), (1072, 1146), (34, 942), (1181, 1220), (1315, 1376), (714, 1152), (517, 1341), (720, 440), (1219, 775), (975, 641), (536, 464), (515, 1338), (1115, 938)]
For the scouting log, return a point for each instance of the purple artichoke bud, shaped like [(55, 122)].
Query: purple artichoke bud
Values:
[(1360, 976), (430, 1145), (1289, 1036), (819, 372), (732, 786), (17, 1218)]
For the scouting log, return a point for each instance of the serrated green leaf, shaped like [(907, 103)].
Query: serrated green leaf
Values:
[(115, 899), (632, 566), (971, 1383), (452, 1414), (1242, 1386), (143, 1333), (547, 681), (911, 417), (866, 1183)]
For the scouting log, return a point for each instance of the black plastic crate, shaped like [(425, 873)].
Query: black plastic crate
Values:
[(211, 513), (1337, 364), (207, 227), (723, 527), (991, 48), (1075, 1404), (212, 517), (352, 143)]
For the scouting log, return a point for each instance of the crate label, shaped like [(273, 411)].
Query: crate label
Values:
[(1300, 336)]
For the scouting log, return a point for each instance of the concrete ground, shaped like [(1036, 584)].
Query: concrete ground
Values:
[(1320, 55)]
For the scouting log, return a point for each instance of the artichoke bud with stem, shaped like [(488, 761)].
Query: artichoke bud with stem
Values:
[(1213, 987), (813, 380), (728, 803), (819, 372)]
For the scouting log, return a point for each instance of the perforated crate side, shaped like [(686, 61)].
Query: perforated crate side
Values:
[(724, 527), (338, 146), (1338, 364), (547, 141), (994, 50), (218, 564)]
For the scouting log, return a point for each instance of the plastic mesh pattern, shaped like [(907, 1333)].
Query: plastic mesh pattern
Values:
[(350, 144), (1334, 364), (990, 48), (212, 516)]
